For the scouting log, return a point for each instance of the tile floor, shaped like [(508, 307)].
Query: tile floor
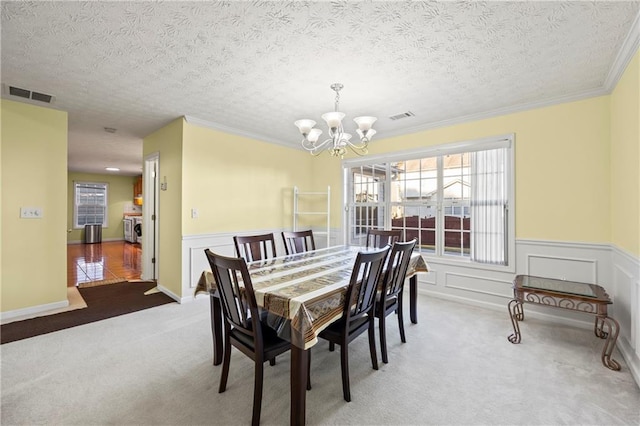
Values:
[(103, 261)]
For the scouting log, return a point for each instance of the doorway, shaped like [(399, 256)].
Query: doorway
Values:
[(150, 217)]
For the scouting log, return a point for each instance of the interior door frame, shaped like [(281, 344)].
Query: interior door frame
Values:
[(150, 217)]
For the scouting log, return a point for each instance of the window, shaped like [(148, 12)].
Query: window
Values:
[(453, 199), (90, 204)]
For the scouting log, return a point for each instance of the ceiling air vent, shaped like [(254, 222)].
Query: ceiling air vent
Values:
[(28, 94), (402, 115)]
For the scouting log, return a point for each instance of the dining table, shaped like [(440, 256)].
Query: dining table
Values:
[(303, 294)]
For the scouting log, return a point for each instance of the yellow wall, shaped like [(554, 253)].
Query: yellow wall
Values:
[(34, 161), (168, 143), (561, 163), (625, 160), (238, 183), (119, 194)]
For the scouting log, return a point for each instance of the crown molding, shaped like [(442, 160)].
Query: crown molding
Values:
[(220, 127), (625, 54), (499, 112)]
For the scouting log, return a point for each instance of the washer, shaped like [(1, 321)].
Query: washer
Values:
[(137, 229), (129, 234)]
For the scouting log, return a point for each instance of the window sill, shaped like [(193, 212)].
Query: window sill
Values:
[(466, 263)]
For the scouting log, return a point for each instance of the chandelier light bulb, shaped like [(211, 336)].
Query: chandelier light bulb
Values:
[(338, 140), (313, 135), (305, 126), (333, 119), (365, 123)]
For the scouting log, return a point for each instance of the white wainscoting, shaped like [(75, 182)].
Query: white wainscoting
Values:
[(615, 270), (194, 260), (625, 277)]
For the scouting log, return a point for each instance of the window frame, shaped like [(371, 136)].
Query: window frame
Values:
[(105, 223), (493, 142)]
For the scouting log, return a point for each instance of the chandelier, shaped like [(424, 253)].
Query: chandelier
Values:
[(338, 140)]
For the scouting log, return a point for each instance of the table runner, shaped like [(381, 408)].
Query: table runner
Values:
[(304, 290)]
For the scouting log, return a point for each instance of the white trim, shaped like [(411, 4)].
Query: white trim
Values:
[(151, 227), (571, 244), (171, 294), (624, 56), (33, 310), (232, 130), (105, 222), (446, 148), (474, 145)]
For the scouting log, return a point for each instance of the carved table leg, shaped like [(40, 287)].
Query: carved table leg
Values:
[(610, 343), (516, 314)]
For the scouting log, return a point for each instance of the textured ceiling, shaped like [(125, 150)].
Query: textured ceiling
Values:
[(253, 68)]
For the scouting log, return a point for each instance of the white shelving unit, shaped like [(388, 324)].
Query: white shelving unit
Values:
[(312, 197)]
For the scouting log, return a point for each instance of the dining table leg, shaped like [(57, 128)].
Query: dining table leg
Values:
[(413, 299), (216, 327), (299, 365)]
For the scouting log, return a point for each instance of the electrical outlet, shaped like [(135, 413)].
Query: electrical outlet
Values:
[(30, 212)]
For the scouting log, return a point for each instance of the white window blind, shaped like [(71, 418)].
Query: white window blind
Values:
[(489, 204), (90, 204)]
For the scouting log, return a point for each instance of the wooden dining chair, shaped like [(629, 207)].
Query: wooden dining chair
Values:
[(243, 326), (255, 247), (358, 312), (378, 238), (298, 241), (390, 297)]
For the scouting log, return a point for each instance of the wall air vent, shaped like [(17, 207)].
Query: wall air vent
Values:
[(27, 94), (402, 115)]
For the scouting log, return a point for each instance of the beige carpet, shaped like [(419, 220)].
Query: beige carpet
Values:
[(154, 367)]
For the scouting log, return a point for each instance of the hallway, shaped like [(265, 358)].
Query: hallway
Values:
[(109, 260)]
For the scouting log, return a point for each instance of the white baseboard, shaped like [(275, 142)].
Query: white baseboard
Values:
[(171, 294), (32, 311)]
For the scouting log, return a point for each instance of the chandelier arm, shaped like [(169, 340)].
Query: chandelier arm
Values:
[(362, 145), (361, 152), (312, 146)]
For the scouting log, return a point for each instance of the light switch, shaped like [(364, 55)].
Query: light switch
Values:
[(30, 212), (194, 213)]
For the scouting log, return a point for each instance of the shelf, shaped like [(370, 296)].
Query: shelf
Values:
[(296, 213)]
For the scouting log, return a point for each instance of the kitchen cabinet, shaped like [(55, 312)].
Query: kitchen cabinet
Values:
[(137, 191)]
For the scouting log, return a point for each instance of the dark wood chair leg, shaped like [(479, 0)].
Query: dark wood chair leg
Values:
[(401, 320), (332, 346), (383, 337), (344, 367), (257, 392), (225, 366), (216, 328), (372, 343)]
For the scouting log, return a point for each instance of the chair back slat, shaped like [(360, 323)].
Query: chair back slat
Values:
[(255, 247), (361, 295), (236, 291), (397, 265), (298, 241), (378, 238)]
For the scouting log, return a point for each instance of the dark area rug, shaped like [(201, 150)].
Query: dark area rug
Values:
[(103, 302)]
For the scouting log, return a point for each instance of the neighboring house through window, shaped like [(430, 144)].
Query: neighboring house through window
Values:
[(90, 204), (454, 199)]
